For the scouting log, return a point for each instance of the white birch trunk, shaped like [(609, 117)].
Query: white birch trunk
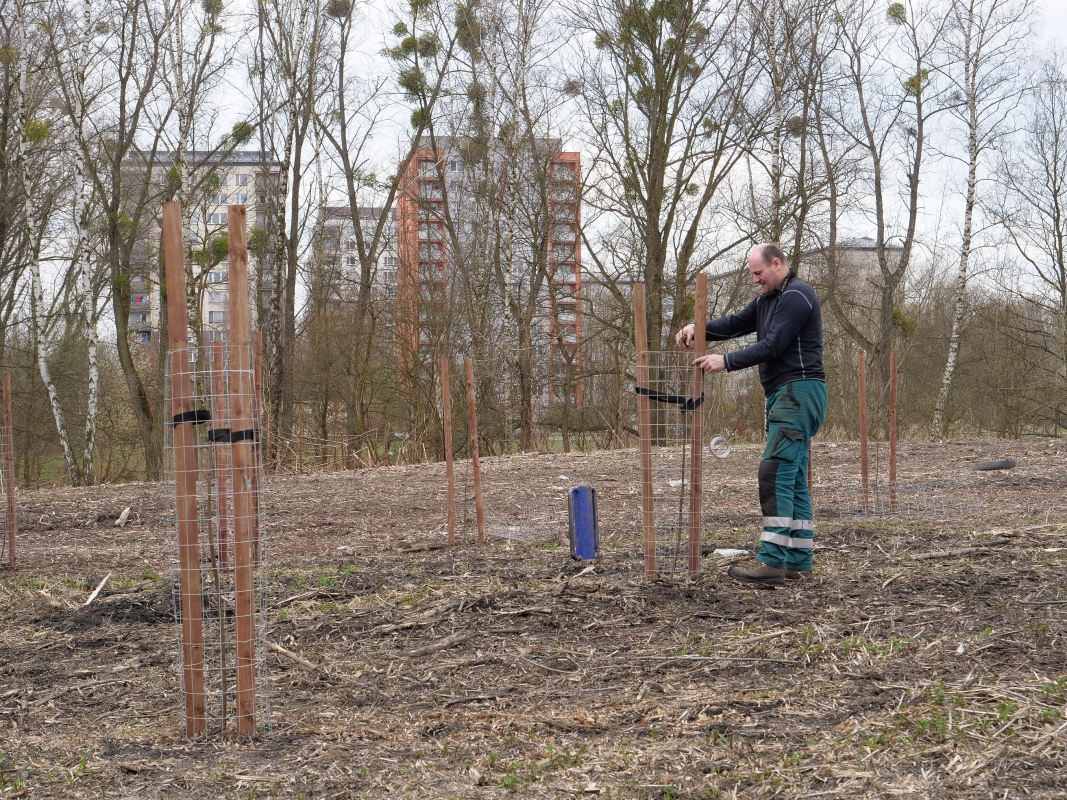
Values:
[(83, 199), (37, 316), (937, 426)]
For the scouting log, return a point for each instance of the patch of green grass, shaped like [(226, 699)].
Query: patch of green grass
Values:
[(325, 580)]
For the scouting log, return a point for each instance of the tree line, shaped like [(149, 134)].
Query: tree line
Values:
[(910, 158)]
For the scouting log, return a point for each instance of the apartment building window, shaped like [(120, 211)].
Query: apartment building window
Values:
[(391, 261), (215, 336), (144, 336), (261, 219), (140, 317), (240, 199), (352, 261), (217, 200), (241, 178), (216, 219), (222, 178), (216, 277), (350, 244), (216, 316), (217, 297)]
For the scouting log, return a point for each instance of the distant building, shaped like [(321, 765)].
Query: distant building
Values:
[(237, 178), (338, 252), (423, 245)]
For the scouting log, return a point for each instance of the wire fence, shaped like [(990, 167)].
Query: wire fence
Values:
[(227, 607)]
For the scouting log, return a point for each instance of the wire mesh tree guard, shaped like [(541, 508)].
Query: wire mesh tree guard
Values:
[(213, 471), (670, 399)]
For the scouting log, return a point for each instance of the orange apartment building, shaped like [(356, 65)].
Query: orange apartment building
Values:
[(422, 270)]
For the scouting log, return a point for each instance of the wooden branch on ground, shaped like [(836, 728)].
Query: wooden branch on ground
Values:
[(96, 591), (443, 644), (963, 551)]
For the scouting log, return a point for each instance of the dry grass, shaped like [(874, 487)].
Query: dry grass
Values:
[(920, 660)]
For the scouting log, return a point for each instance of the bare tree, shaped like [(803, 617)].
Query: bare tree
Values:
[(890, 63), (1032, 209), (984, 41), (664, 101)]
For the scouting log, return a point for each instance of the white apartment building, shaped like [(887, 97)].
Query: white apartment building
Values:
[(219, 180)]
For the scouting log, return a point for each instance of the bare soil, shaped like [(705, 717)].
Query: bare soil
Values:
[(923, 657)]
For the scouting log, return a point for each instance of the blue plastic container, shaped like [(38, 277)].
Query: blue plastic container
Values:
[(584, 530)]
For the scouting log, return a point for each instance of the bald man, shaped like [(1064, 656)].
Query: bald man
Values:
[(787, 321)]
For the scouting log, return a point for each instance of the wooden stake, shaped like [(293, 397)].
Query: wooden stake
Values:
[(446, 425), (242, 457), (696, 459), (9, 471), (472, 414), (185, 471), (892, 433), (864, 474), (644, 417)]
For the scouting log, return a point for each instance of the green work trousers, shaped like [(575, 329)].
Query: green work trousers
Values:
[(795, 411)]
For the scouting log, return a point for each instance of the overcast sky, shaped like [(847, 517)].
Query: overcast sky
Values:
[(1055, 26)]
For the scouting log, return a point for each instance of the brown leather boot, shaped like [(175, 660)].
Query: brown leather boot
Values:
[(796, 575), (758, 572)]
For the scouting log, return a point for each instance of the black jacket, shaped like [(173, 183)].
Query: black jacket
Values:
[(788, 327)]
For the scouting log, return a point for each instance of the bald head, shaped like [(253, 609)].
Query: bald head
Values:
[(768, 267)]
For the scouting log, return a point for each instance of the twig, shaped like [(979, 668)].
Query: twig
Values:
[(443, 644), (714, 658), (79, 687), (277, 648), (963, 551), (542, 666), (455, 701), (96, 591), (1042, 602)]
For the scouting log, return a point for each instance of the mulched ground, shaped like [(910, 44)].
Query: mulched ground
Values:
[(925, 657)]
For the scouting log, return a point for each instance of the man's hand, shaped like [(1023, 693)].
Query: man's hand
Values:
[(685, 336), (713, 362)]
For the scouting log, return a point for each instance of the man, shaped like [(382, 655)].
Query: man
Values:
[(787, 321)]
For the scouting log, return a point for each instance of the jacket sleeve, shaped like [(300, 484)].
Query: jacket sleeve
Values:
[(787, 319), (732, 325)]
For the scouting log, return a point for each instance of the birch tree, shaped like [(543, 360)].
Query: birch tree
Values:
[(984, 42), (31, 132)]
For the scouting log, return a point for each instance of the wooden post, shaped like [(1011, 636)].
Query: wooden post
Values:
[(892, 433), (472, 415), (220, 413), (644, 417), (446, 426), (9, 471), (864, 474), (242, 457), (696, 457), (185, 469)]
